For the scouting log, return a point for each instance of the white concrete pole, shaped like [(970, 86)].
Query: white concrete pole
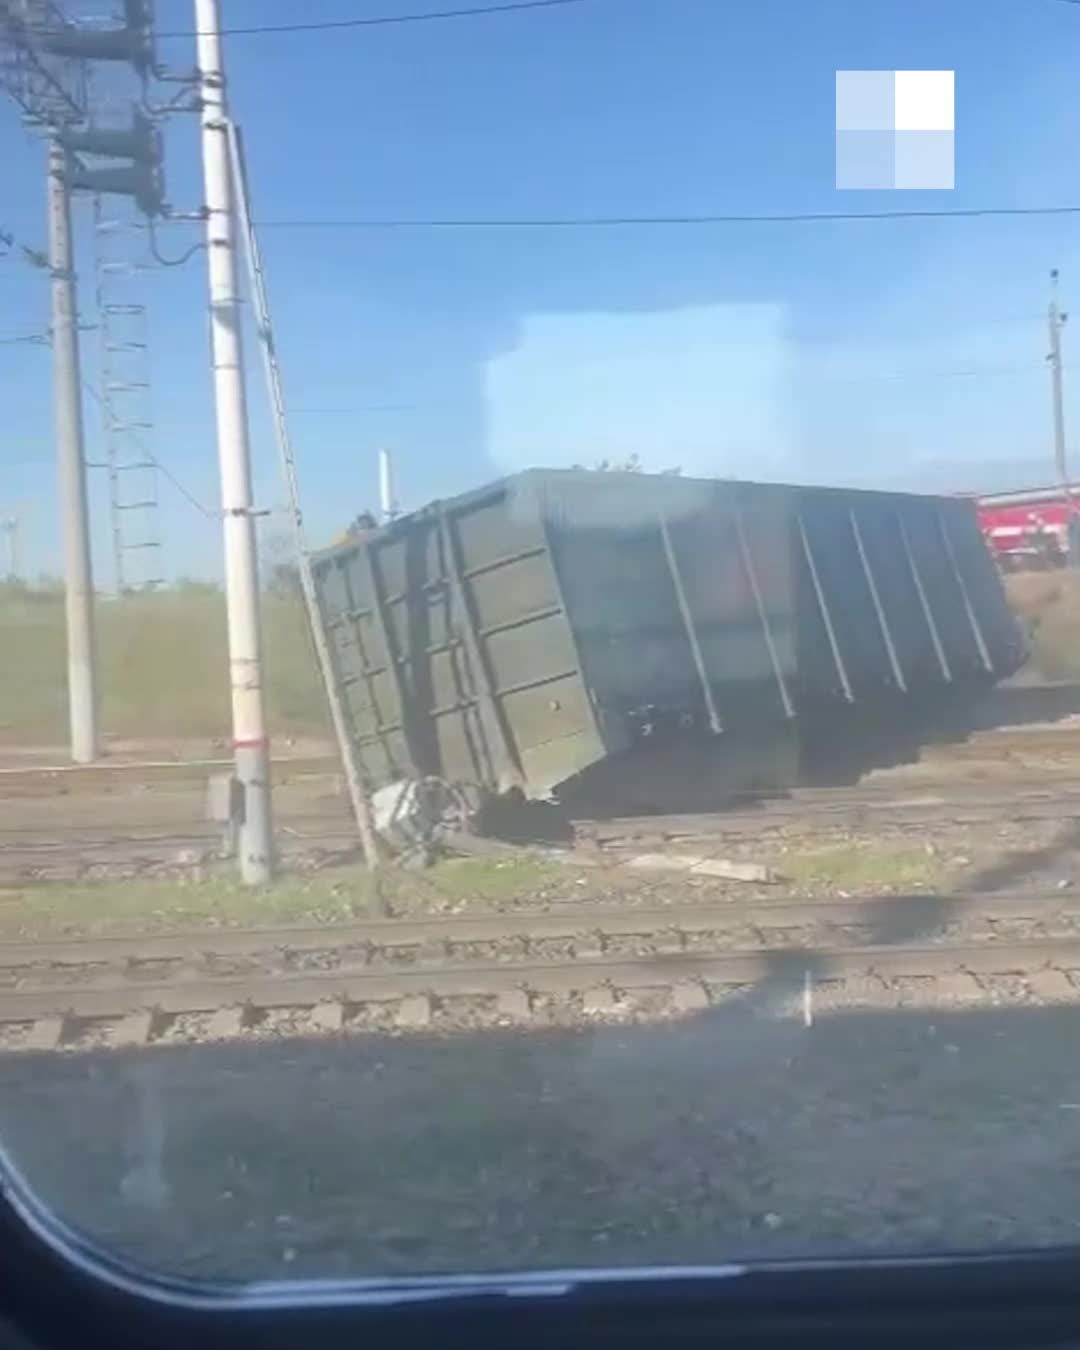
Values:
[(349, 758), (251, 745), (11, 529), (71, 467), (1072, 521), (387, 505)]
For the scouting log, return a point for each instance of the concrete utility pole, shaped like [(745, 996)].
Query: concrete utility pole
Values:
[(71, 466), (10, 526), (387, 505), (251, 744), (1056, 320), (350, 761)]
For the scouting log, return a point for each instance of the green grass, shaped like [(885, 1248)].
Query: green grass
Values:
[(336, 896), (862, 866), (163, 663), (499, 878)]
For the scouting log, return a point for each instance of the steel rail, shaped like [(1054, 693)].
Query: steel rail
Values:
[(762, 967), (570, 920)]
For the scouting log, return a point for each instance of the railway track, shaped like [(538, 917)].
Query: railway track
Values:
[(84, 852), (40, 852), (32, 780), (964, 804), (594, 960)]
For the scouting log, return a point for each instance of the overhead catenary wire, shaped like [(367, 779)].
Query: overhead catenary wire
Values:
[(397, 20), (42, 340), (657, 221), (12, 245), (975, 372), (171, 478), (382, 20), (163, 469), (865, 377)]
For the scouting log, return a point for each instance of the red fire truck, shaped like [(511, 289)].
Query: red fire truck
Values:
[(1030, 530)]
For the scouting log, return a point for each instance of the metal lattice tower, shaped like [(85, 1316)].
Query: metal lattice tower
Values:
[(50, 90), (124, 351)]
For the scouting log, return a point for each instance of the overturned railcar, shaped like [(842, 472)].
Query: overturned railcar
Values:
[(559, 625)]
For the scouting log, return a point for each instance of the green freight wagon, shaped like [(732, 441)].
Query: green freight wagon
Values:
[(518, 635)]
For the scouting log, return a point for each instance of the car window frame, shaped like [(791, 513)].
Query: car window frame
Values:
[(59, 1288)]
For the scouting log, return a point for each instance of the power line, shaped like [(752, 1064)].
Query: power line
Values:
[(974, 372), (12, 245), (170, 477), (1007, 318), (41, 340), (161, 468), (388, 20), (605, 222), (384, 20)]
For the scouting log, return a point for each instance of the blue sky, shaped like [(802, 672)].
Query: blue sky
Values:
[(906, 352)]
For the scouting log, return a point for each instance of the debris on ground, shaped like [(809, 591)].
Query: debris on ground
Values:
[(727, 868), (417, 817)]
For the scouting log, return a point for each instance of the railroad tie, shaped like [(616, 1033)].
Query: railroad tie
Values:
[(329, 1017), (134, 1029), (689, 996), (414, 1011), (514, 1004), (47, 1033), (1052, 985), (226, 1023)]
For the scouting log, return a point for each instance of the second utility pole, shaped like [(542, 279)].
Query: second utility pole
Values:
[(1056, 319), (251, 745), (10, 525), (71, 466)]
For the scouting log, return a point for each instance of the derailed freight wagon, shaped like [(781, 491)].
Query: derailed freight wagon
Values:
[(559, 628)]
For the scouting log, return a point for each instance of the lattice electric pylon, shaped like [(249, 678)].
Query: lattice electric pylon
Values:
[(124, 348), (48, 85)]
